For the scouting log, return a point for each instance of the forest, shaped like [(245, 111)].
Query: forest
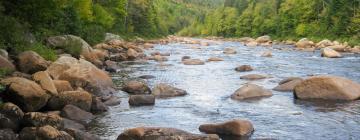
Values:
[(26, 23)]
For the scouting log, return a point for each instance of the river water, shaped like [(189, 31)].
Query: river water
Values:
[(210, 86)]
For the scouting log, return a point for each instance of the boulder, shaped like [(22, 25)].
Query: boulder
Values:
[(7, 134), (110, 36), (112, 101), (81, 135), (31, 62), (229, 51), (10, 116), (324, 43), (62, 85), (288, 84), (79, 98), (45, 81), (140, 100), (193, 62), (28, 95), (136, 87), (252, 44), (185, 57), (253, 77), (266, 54), (70, 124), (263, 39), (340, 48), (4, 53), (111, 66), (327, 88), (249, 91), (76, 114), (330, 53), (6, 64), (147, 77), (162, 133), (304, 43), (43, 133), (244, 68), (132, 54), (38, 119), (215, 59), (81, 73), (233, 127), (22, 75), (97, 105), (164, 90)]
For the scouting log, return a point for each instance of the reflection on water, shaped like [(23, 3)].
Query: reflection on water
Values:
[(210, 86)]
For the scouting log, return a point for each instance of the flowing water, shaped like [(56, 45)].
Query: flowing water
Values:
[(210, 86)]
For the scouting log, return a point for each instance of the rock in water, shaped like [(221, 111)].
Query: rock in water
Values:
[(136, 87), (160, 133), (327, 88), (164, 90), (267, 54), (139, 100), (249, 91), (304, 43), (31, 62), (263, 39), (253, 77), (229, 51), (76, 114), (288, 84), (193, 62), (81, 73), (28, 95), (244, 68), (330, 53), (215, 59), (234, 127)]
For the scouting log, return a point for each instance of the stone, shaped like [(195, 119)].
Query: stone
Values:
[(185, 57), (76, 114), (266, 54), (244, 68), (163, 91), (234, 127), (253, 77), (193, 62), (4, 53), (30, 62), (81, 135), (38, 119), (327, 87), (250, 91), (160, 58), (147, 77), (288, 84), (324, 43), (79, 98), (7, 134), (28, 95), (132, 54), (141, 100), (112, 101), (10, 116), (162, 133), (62, 85), (229, 51), (97, 105), (304, 43), (81, 73), (45, 81), (111, 66), (136, 87), (43, 133), (263, 39), (6, 64), (215, 59), (330, 53)]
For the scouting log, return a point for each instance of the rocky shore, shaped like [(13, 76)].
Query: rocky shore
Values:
[(58, 100)]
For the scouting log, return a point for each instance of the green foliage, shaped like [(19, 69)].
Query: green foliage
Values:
[(46, 52)]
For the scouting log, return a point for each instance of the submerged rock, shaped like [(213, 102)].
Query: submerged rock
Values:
[(234, 127), (249, 91), (161, 133), (215, 59), (136, 87), (327, 88), (229, 51), (164, 90), (76, 114), (266, 54)]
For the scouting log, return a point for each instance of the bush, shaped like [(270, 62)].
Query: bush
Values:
[(45, 52)]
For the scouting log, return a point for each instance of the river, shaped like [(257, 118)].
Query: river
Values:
[(210, 86)]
